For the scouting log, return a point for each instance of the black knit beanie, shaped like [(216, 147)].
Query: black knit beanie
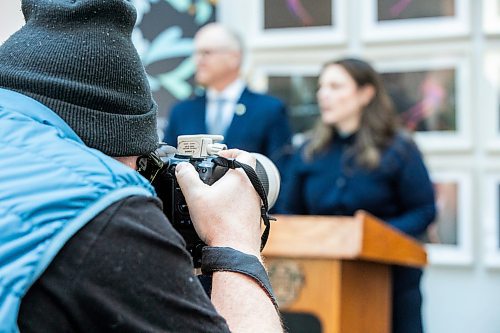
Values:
[(77, 58)]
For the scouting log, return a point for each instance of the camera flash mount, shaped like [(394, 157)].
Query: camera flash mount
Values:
[(200, 145)]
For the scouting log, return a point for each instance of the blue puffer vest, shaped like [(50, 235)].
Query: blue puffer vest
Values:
[(51, 185)]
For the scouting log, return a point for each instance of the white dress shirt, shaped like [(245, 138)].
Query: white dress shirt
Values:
[(227, 99)]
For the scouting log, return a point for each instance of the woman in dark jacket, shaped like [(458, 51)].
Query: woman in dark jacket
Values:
[(357, 159)]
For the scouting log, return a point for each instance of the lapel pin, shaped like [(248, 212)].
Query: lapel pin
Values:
[(240, 109)]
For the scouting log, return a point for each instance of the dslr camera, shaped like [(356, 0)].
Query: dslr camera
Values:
[(201, 151)]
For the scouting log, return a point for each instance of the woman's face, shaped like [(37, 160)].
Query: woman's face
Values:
[(340, 100)]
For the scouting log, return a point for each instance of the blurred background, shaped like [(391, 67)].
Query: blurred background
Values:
[(440, 61)]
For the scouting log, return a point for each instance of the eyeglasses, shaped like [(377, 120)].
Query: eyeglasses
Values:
[(210, 52)]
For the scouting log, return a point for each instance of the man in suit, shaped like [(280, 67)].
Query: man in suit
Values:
[(247, 120)]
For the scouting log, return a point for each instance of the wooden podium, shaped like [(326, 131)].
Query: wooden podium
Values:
[(337, 269)]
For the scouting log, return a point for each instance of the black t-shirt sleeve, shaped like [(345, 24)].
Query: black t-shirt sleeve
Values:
[(126, 271)]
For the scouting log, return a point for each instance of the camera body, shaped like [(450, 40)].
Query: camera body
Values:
[(200, 151)]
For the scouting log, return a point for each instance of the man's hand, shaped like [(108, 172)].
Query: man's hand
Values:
[(228, 212)]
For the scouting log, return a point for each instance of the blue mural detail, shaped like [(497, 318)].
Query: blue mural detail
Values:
[(163, 37)]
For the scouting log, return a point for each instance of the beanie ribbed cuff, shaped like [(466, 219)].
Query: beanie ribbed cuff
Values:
[(112, 133)]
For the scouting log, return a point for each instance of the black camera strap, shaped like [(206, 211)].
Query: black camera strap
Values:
[(257, 184), (226, 259)]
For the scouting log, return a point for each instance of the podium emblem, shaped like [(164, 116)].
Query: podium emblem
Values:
[(287, 280)]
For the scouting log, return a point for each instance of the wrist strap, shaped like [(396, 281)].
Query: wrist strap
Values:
[(226, 259)]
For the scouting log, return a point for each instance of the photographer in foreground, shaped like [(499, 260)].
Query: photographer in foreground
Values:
[(85, 246)]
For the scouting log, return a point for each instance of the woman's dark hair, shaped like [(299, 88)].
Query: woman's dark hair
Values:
[(378, 120)]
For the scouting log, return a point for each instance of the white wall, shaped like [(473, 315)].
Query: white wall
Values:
[(462, 292), (11, 18)]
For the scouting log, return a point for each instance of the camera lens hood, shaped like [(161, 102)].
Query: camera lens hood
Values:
[(269, 176)]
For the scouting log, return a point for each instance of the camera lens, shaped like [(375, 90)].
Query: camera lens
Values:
[(269, 176)]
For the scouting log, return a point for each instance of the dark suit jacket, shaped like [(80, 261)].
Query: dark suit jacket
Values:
[(263, 128)]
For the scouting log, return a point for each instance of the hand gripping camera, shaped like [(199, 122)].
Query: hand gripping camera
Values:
[(201, 151)]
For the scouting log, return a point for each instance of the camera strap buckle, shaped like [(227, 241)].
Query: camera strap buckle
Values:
[(231, 163)]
